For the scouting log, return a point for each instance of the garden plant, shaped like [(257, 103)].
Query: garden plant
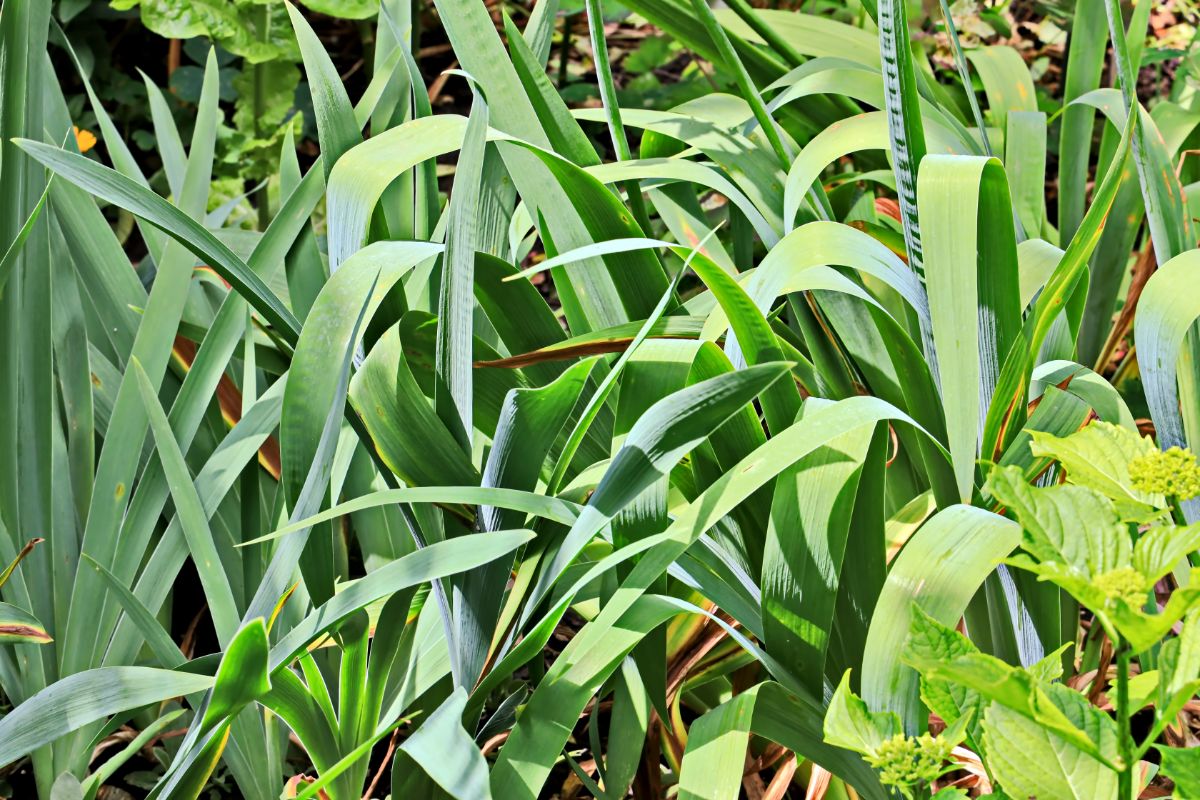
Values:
[(665, 399)]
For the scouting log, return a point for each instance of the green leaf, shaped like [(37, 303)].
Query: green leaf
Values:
[(850, 724), (316, 562), (1098, 457), (410, 437), (627, 729), (436, 561), (109, 768), (810, 519), (541, 732), (18, 626), (86, 697), (929, 640), (564, 133), (905, 130), (665, 433), (156, 636), (1073, 525), (1025, 162), (1180, 665), (1007, 407), (11, 255), (116, 188), (1162, 195), (348, 300), (940, 569), (540, 29), (1085, 62), (344, 9), (452, 391), (530, 423), (1007, 84), (192, 518), (233, 24), (443, 753), (1143, 630), (717, 742), (17, 559), (242, 676), (66, 787), (1166, 311), (1163, 547), (1029, 760), (574, 211), (862, 132), (336, 127), (971, 275), (561, 511), (749, 92), (1182, 765)]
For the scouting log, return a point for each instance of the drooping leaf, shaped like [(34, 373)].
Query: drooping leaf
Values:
[(18, 626), (441, 759), (85, 697)]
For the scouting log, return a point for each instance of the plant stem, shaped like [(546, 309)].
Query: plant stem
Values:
[(564, 53), (260, 107), (264, 211), (745, 84), (769, 35), (1124, 732), (608, 95), (964, 74)]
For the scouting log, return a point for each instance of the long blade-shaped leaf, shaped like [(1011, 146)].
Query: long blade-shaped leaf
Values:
[(904, 119), (86, 697), (453, 393)]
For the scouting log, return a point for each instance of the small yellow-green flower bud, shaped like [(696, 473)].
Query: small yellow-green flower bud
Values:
[(1173, 473), (903, 760), (1123, 583)]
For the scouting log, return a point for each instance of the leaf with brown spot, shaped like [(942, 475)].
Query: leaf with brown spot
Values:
[(18, 626)]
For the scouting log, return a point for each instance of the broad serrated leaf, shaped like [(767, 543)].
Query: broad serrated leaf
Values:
[(1028, 760), (1098, 457), (929, 640), (1073, 525)]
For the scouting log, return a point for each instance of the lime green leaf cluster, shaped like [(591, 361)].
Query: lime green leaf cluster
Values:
[(1099, 457), (254, 29), (1024, 717), (907, 763), (1084, 536)]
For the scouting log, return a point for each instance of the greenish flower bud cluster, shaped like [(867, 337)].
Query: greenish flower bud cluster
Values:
[(906, 760), (1123, 583), (1173, 473)]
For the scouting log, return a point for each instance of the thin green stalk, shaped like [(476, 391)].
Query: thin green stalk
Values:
[(608, 96), (1124, 732), (768, 34), (564, 52), (745, 84), (964, 75), (260, 108), (779, 45)]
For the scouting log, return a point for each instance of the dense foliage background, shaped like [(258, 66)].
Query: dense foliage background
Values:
[(592, 399)]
